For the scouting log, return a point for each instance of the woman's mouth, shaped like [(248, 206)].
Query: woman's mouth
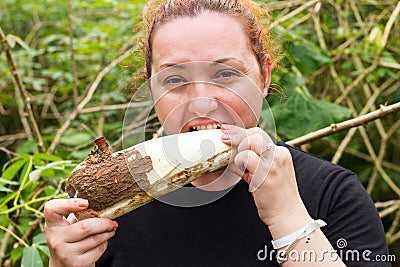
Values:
[(205, 127)]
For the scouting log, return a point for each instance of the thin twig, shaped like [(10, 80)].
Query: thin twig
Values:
[(4, 242), (115, 107), (335, 128), (13, 137), (395, 223), (388, 211), (72, 52), (76, 111), (356, 82), (8, 152), (25, 96), (366, 157), (21, 112), (389, 26), (283, 4), (381, 171), (391, 65), (291, 14), (387, 203), (369, 106), (14, 235), (382, 46)]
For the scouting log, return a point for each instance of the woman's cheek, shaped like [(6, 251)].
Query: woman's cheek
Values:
[(170, 112), (245, 114)]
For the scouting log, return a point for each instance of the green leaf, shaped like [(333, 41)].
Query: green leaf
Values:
[(5, 189), (40, 242), (16, 254), (81, 154), (48, 157), (73, 138), (40, 239), (2, 180), (45, 249), (11, 40), (300, 113), (308, 57), (18, 40), (27, 146), (56, 165), (375, 36), (31, 258), (25, 171), (11, 171)]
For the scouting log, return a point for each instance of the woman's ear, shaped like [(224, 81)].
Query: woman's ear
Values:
[(267, 70)]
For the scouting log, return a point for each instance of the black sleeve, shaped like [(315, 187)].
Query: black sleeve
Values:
[(354, 227), (335, 195)]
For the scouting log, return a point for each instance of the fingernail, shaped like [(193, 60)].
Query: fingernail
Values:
[(225, 137), (83, 202), (115, 224)]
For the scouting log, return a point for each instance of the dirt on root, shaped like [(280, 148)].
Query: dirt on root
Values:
[(106, 179)]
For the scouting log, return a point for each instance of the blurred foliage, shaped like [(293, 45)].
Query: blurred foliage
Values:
[(324, 49)]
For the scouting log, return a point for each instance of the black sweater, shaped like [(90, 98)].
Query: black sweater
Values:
[(228, 232)]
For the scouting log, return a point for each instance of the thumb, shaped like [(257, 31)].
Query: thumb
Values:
[(54, 210)]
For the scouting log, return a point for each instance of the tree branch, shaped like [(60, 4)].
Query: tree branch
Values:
[(334, 128), (21, 87), (115, 107), (292, 14), (72, 52)]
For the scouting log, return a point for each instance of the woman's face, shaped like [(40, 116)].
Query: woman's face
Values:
[(205, 74)]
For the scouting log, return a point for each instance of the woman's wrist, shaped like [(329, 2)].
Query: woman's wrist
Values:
[(287, 223)]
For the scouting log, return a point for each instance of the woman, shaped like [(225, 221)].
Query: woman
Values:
[(200, 57)]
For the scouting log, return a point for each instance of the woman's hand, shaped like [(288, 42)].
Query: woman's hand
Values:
[(74, 243), (270, 173)]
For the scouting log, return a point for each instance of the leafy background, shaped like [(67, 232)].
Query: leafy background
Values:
[(76, 61)]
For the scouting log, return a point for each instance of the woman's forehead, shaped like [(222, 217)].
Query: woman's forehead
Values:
[(209, 36)]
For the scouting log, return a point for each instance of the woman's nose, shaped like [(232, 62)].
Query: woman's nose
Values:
[(200, 105)]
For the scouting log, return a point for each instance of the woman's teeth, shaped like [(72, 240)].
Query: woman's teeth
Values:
[(206, 127)]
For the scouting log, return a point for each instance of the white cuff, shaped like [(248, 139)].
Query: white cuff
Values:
[(302, 232)]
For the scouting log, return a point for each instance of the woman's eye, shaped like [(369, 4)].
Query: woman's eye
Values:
[(174, 80), (226, 74)]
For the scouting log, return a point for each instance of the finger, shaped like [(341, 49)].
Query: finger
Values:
[(247, 160), (89, 227), (253, 142), (89, 257), (236, 136), (236, 170), (232, 135), (55, 210), (93, 255), (92, 242), (232, 129), (71, 218), (257, 168)]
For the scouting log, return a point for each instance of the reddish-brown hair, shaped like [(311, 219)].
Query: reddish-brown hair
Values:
[(248, 13)]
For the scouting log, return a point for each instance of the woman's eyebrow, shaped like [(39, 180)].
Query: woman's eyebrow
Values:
[(223, 60), (212, 64), (173, 65)]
